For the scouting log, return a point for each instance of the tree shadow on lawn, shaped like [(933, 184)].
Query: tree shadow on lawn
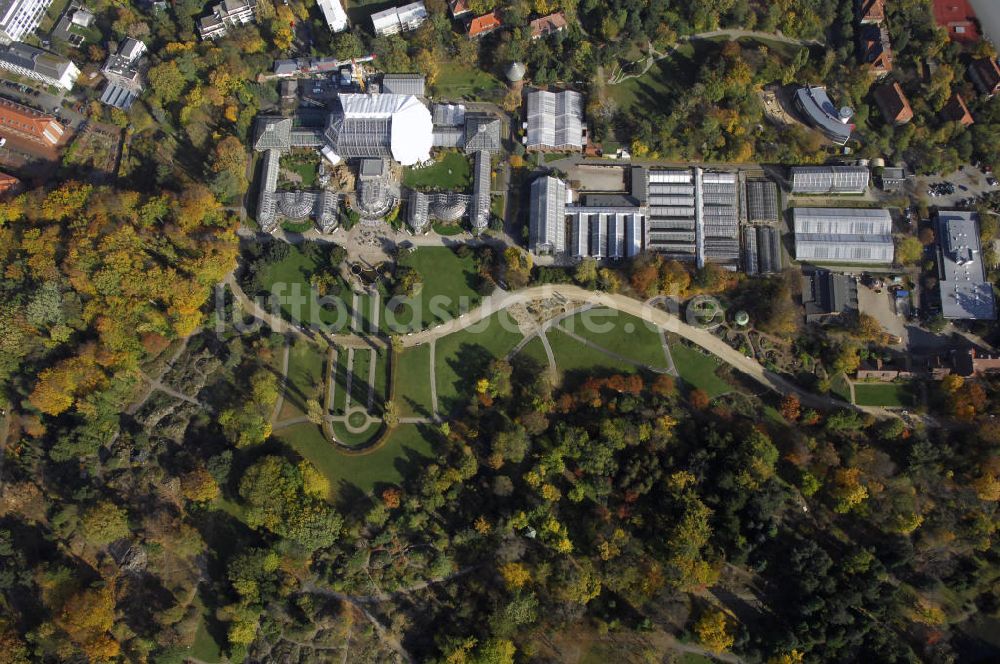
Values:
[(469, 364)]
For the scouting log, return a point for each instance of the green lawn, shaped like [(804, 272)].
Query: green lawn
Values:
[(340, 383), (359, 380), (381, 381), (573, 356), (306, 364), (413, 382), (463, 357), (305, 169), (442, 228), (889, 395), (452, 171), (448, 288), (405, 447), (619, 333), (289, 280), (660, 86), (456, 81), (536, 350), (350, 439), (841, 388), (697, 368)]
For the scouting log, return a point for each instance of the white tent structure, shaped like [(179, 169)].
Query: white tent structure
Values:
[(333, 12), (380, 125)]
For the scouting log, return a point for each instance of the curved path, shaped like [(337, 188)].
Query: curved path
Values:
[(619, 76), (503, 299)]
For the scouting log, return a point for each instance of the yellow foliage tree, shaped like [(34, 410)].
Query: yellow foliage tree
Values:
[(713, 631), (514, 575)]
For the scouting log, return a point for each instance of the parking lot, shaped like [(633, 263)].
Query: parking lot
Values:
[(881, 307), (965, 184)]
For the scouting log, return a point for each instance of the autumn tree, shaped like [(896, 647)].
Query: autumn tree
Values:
[(104, 523), (790, 407), (714, 632)]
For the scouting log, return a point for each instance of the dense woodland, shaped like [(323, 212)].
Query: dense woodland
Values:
[(611, 505)]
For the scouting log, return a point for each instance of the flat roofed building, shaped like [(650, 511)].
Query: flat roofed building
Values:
[(123, 75), (333, 14), (399, 19), (843, 235), (227, 14), (547, 216), (555, 120), (39, 65), (30, 124), (20, 18), (380, 125), (892, 178), (830, 179), (762, 201), (548, 25), (815, 104), (965, 292), (403, 84), (893, 103), (985, 74)]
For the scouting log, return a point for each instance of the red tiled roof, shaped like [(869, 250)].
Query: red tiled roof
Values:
[(29, 123), (956, 16), (9, 184), (483, 24), (547, 25), (956, 111), (872, 11), (893, 103), (459, 7)]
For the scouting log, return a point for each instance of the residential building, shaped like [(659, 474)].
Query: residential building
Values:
[(484, 24), (826, 294), (871, 11), (843, 235), (399, 19), (893, 103), (459, 8), (555, 120), (29, 124), (379, 125), (876, 50), (762, 201), (227, 14), (39, 65), (958, 18), (19, 18), (10, 186), (333, 14), (819, 111), (547, 216), (403, 84), (985, 74), (956, 110), (123, 75), (548, 25), (830, 179), (966, 294), (69, 28)]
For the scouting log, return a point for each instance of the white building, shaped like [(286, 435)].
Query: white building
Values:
[(379, 126), (965, 292), (225, 15), (547, 218), (333, 12), (830, 179), (123, 75), (399, 19), (843, 235), (39, 65), (19, 18)]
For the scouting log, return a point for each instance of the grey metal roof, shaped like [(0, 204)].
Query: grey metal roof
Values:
[(843, 235), (825, 293), (829, 179), (403, 84), (371, 168), (814, 102), (762, 200), (118, 96), (448, 137), (555, 119), (479, 213), (448, 115), (418, 208), (965, 292), (41, 62), (547, 216)]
